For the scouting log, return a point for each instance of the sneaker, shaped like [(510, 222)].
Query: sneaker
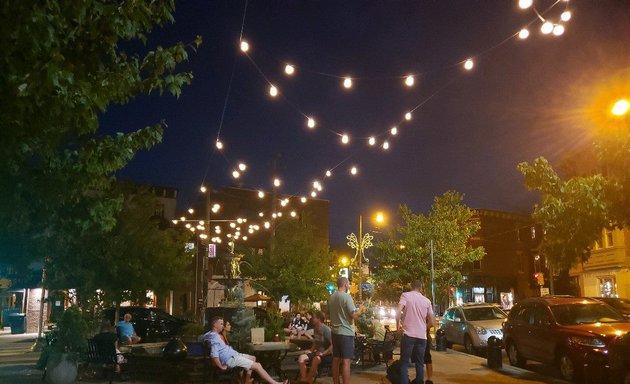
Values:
[(428, 382)]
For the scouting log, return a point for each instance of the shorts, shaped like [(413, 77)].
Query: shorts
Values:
[(240, 360), (343, 346)]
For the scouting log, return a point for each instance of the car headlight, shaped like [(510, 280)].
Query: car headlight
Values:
[(587, 341), (481, 330)]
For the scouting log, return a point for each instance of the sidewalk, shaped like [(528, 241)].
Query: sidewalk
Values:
[(17, 365)]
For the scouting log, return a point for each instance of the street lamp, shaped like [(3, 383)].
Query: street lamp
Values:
[(360, 243), (620, 108)]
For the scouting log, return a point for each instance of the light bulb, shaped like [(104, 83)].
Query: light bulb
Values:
[(546, 28), (385, 145), (310, 123), (242, 166), (468, 64), (354, 170), (303, 199), (565, 16), (273, 91), (345, 139), (313, 194), (293, 214), (371, 140), (261, 214), (524, 4), (408, 116), (283, 202), (261, 194), (236, 174), (191, 211), (621, 107), (244, 46), (523, 33), (267, 224), (328, 173), (202, 189), (409, 80), (558, 29), (218, 144), (347, 82), (394, 131), (289, 69), (276, 182)]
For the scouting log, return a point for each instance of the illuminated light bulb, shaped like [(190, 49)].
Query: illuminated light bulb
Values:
[(283, 203), (260, 214), (267, 224), (202, 189), (244, 238), (303, 199), (279, 214), (319, 188), (524, 4), (244, 46), (408, 116), (251, 230), (232, 225), (558, 29), (217, 231), (310, 122), (385, 145), (215, 208), (316, 184), (328, 173), (313, 194), (201, 222), (187, 225), (274, 215), (203, 236), (293, 214), (237, 234), (273, 91), (347, 82), (469, 64), (523, 33), (218, 144), (353, 170), (546, 28), (289, 69), (261, 194), (182, 218), (372, 140), (394, 131), (565, 16), (236, 174), (175, 221), (192, 229), (621, 107), (256, 227), (242, 166), (276, 182), (191, 211), (239, 220), (345, 139), (229, 235), (218, 240), (409, 80)]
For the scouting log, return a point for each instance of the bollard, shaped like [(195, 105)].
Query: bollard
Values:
[(440, 340), (495, 360)]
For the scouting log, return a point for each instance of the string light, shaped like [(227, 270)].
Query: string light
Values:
[(371, 140), (409, 80), (353, 170), (216, 208), (303, 199), (293, 214), (261, 194), (468, 64), (558, 29), (345, 139), (546, 28), (328, 173), (565, 16), (191, 211), (408, 116), (276, 182), (242, 166), (394, 131), (267, 224), (218, 145), (289, 69), (313, 194), (347, 82), (236, 174), (283, 202), (244, 46), (523, 34), (202, 189), (310, 122), (261, 214), (273, 91), (385, 145), (279, 214), (524, 4)]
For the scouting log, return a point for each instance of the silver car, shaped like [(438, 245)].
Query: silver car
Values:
[(471, 325)]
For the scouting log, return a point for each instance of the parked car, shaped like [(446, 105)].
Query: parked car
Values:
[(471, 325), (619, 360), (620, 304), (151, 324), (566, 331)]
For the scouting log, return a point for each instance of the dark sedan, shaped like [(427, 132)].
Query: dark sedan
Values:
[(151, 324)]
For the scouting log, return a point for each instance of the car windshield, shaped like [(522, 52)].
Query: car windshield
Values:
[(572, 314), (621, 304), (484, 313)]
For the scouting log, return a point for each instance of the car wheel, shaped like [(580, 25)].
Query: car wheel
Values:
[(514, 356), (468, 345), (566, 366)]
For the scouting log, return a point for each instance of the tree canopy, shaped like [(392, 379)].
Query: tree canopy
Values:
[(406, 255), (63, 65)]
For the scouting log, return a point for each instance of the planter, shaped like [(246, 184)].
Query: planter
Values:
[(61, 368)]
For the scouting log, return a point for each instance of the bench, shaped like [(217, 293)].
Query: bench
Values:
[(215, 374), (102, 352)]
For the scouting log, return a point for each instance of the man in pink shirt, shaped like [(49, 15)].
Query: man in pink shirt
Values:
[(415, 315)]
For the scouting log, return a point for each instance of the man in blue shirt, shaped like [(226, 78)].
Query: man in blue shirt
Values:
[(224, 356), (126, 333)]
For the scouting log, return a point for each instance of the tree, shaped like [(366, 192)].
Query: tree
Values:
[(294, 265), (63, 64), (405, 256)]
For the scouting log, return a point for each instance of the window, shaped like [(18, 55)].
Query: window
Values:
[(477, 265), (607, 286), (609, 238)]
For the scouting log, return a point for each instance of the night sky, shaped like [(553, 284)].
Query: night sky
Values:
[(523, 99)]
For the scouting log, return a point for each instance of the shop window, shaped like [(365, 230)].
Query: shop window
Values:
[(607, 286)]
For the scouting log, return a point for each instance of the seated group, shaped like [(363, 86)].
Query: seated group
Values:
[(226, 357)]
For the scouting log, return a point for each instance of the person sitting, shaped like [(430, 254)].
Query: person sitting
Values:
[(224, 356), (296, 325), (126, 334), (308, 330), (108, 340), (227, 328), (321, 352)]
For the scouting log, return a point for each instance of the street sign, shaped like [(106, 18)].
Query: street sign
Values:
[(544, 291), (212, 250)]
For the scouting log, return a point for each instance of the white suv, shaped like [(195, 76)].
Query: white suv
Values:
[(471, 325)]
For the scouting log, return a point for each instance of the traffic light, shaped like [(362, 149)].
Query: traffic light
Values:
[(540, 278)]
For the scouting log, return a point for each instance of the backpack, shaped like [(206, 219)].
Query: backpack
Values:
[(393, 372)]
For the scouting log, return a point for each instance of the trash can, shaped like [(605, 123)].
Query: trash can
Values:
[(440, 340), (495, 359), (5, 315), (17, 322)]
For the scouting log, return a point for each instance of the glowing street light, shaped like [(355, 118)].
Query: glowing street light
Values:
[(621, 107)]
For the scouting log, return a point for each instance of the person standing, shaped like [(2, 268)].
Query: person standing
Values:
[(415, 316), (343, 312)]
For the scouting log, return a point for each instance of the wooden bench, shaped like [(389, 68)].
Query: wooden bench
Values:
[(215, 374)]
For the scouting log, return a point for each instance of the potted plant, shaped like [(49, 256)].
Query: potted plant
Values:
[(60, 357)]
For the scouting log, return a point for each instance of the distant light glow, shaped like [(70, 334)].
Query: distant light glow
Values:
[(523, 33), (261, 214), (347, 82), (372, 140), (289, 69), (394, 131), (313, 194), (236, 174), (293, 214), (276, 182), (385, 145), (216, 208), (469, 64), (354, 170), (345, 139), (283, 202), (621, 107), (191, 211), (203, 189), (242, 166), (524, 4), (303, 199), (546, 28), (218, 144), (279, 214), (565, 16), (558, 29), (244, 46), (273, 91), (328, 173), (267, 224), (409, 81), (310, 122), (408, 116), (261, 194)]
